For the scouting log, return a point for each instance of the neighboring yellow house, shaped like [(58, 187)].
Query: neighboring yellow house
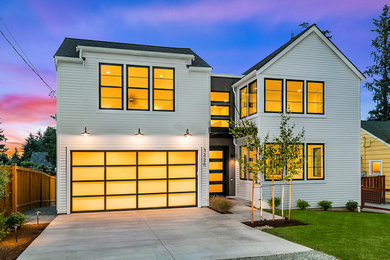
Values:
[(375, 150)]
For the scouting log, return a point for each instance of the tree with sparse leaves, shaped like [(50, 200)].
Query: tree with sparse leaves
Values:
[(326, 33), (379, 72)]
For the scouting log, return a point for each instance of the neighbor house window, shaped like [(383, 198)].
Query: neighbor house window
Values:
[(163, 89), (315, 161), (252, 98), (110, 86), (375, 167), (273, 95), (243, 102), (294, 96), (315, 97), (243, 156), (137, 88)]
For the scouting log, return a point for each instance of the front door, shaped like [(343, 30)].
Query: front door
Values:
[(217, 171)]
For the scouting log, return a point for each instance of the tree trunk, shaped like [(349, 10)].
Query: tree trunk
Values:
[(253, 193), (282, 199), (273, 199), (289, 202), (261, 201)]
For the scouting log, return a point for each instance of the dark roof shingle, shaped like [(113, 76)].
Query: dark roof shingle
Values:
[(380, 129), (68, 49)]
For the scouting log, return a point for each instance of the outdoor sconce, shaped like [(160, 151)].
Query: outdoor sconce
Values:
[(38, 212), (85, 133), (139, 132), (187, 134)]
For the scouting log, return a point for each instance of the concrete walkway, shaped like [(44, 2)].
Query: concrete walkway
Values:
[(186, 233)]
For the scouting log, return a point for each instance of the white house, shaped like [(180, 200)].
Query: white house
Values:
[(147, 127)]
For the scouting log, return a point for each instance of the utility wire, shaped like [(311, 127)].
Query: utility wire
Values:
[(52, 92)]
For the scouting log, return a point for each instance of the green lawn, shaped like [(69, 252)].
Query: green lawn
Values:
[(345, 235)]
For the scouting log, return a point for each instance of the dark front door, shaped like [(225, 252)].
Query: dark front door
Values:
[(218, 171)]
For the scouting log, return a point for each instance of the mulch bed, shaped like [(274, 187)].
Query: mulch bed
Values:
[(274, 223), (9, 249)]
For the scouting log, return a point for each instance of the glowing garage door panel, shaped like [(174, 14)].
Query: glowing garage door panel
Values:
[(121, 202), (182, 185), (88, 173), (181, 158), (121, 158), (88, 204), (121, 173), (152, 158), (87, 158), (215, 188), (215, 177), (88, 188), (152, 186), (152, 201), (182, 171), (152, 172), (121, 187), (182, 199)]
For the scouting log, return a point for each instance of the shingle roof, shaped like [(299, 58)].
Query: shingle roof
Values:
[(380, 129), (68, 49)]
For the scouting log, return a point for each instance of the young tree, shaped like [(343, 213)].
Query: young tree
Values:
[(379, 72)]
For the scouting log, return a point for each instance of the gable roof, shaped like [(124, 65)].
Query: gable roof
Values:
[(68, 49), (314, 27), (380, 129)]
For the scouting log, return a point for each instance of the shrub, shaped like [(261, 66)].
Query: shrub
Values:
[(27, 164), (277, 202), (16, 219), (4, 230), (302, 204), (325, 204), (221, 204), (351, 205), (4, 180)]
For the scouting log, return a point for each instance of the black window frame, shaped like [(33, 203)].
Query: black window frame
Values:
[(173, 89), (241, 165), (127, 87), (323, 161), (241, 117), (303, 95), (248, 94), (282, 94), (100, 86), (307, 97)]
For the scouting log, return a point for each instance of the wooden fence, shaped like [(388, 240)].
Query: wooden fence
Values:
[(373, 190), (28, 189)]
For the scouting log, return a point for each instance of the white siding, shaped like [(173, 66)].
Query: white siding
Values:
[(77, 106), (338, 128)]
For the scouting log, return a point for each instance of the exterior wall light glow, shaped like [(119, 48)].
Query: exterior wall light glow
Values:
[(187, 134), (85, 133), (139, 132)]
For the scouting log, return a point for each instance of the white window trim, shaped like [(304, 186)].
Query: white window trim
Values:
[(370, 167)]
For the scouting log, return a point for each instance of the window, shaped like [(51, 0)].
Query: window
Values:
[(273, 95), (276, 174), (315, 97), (299, 174), (315, 161), (163, 89), (375, 167), (220, 97), (294, 90), (218, 110), (137, 88), (219, 123), (243, 102), (252, 98), (110, 86), (243, 156)]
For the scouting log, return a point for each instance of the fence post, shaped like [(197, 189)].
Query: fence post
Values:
[(14, 188)]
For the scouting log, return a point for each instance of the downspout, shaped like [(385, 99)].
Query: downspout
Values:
[(235, 112)]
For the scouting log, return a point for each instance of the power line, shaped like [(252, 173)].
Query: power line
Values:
[(52, 92)]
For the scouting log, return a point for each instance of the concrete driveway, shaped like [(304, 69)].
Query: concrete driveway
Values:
[(186, 233)]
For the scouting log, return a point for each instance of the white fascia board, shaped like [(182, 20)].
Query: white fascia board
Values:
[(375, 137), (67, 59), (187, 57), (226, 75), (199, 69), (245, 79)]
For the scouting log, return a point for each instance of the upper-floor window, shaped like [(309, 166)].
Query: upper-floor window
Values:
[(137, 88), (243, 102), (248, 100), (220, 109), (110, 86), (315, 97), (243, 156), (375, 167), (163, 89), (294, 96), (273, 95), (219, 97), (315, 161)]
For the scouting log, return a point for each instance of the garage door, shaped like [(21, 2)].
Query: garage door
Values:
[(120, 180)]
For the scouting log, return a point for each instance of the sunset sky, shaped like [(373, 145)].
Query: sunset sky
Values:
[(231, 35)]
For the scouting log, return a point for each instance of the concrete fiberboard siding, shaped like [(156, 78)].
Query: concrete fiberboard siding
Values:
[(77, 106), (338, 128)]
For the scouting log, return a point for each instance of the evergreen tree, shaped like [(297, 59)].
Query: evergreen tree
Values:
[(379, 72), (15, 158), (3, 156)]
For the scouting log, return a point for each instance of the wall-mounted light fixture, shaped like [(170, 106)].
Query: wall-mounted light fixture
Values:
[(187, 134), (139, 132), (85, 133)]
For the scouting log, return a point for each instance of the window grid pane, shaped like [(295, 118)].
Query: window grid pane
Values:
[(243, 102), (253, 98), (315, 161), (219, 97), (315, 97), (294, 100), (110, 89), (137, 88), (163, 89), (273, 95)]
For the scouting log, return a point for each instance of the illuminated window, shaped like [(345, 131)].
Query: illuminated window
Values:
[(299, 174), (375, 167), (219, 97), (252, 98), (315, 97), (219, 123), (243, 102), (273, 95), (137, 88), (243, 156), (252, 160), (110, 86), (294, 99), (217, 110), (277, 175), (163, 89), (315, 161)]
